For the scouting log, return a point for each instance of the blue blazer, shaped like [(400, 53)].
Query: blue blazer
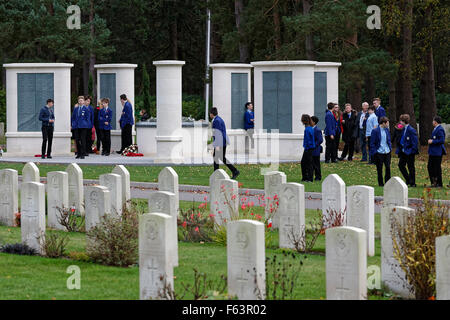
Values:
[(73, 119), (105, 116), (380, 112), (437, 148), (83, 117), (308, 139), (375, 140), (247, 123), (408, 142), (91, 114), (45, 115), (330, 124), (318, 139), (127, 115), (219, 132)]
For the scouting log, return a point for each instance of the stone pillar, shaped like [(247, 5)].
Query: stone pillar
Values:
[(169, 136), (28, 86), (114, 80)]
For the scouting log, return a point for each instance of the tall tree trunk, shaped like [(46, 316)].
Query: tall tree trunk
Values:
[(277, 26), (392, 110), (92, 57), (406, 69), (243, 46), (216, 45), (354, 95), (85, 75), (427, 99), (309, 45), (174, 39), (370, 89)]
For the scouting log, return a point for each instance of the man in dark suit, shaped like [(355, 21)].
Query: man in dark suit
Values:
[(407, 150), (126, 122), (350, 132), (47, 116), (330, 134), (380, 149), (379, 110), (436, 150), (361, 121), (220, 141)]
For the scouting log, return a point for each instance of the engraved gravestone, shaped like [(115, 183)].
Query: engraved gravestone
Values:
[(272, 182), (32, 200), (98, 204), (113, 182), (165, 202), (76, 190), (155, 265), (228, 202), (333, 199), (30, 173), (346, 263), (246, 259), (361, 212), (168, 181), (443, 268), (57, 197), (291, 212), (126, 184), (214, 189), (8, 196)]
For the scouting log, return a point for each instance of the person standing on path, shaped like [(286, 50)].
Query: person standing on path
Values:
[(47, 116), (126, 122)]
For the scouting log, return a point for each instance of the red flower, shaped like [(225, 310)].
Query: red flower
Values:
[(184, 224), (269, 225), (251, 204), (240, 184), (212, 215), (243, 207), (259, 218), (196, 229)]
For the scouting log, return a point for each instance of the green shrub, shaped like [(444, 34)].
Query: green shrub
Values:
[(79, 256), (196, 224), (18, 248), (54, 245)]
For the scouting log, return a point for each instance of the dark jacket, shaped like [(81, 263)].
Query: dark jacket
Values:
[(249, 115), (437, 148), (318, 139), (83, 117), (408, 141), (330, 124), (96, 113), (308, 139), (380, 112), (45, 115), (349, 126), (357, 122), (105, 116), (375, 140), (127, 115), (219, 132)]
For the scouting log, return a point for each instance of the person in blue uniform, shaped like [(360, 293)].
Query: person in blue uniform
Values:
[(330, 134), (372, 123), (105, 116), (249, 126), (47, 116), (83, 122), (380, 149), (318, 140), (308, 148), (220, 142), (87, 102), (361, 122), (407, 148), (126, 122), (379, 110), (436, 150), (74, 125)]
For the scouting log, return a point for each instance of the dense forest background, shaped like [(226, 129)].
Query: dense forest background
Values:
[(405, 63)]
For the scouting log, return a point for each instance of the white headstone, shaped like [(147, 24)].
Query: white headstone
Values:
[(291, 213), (8, 196), (214, 189), (246, 259), (443, 268), (126, 184), (30, 173), (361, 212), (165, 202), (57, 197), (272, 183), (228, 201), (346, 263), (333, 197), (114, 184), (76, 189), (98, 204), (32, 201), (168, 181), (395, 193), (155, 264), (392, 274)]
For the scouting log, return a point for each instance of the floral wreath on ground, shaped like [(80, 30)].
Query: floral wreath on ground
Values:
[(132, 151)]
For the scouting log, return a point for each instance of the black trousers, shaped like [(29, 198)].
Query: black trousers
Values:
[(330, 147), (127, 138), (316, 167), (47, 140), (371, 160), (81, 141), (221, 155), (98, 133), (307, 165), (349, 149), (407, 160), (89, 140), (435, 170), (337, 140), (106, 141), (380, 160)]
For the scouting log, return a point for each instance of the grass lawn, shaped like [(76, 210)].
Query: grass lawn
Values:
[(353, 173), (33, 277)]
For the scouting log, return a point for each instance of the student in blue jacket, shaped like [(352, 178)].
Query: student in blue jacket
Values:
[(380, 149), (330, 134), (407, 150), (318, 140), (105, 116), (87, 102), (249, 126), (308, 148), (126, 122), (436, 150), (83, 122), (220, 142), (47, 116), (379, 110)]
